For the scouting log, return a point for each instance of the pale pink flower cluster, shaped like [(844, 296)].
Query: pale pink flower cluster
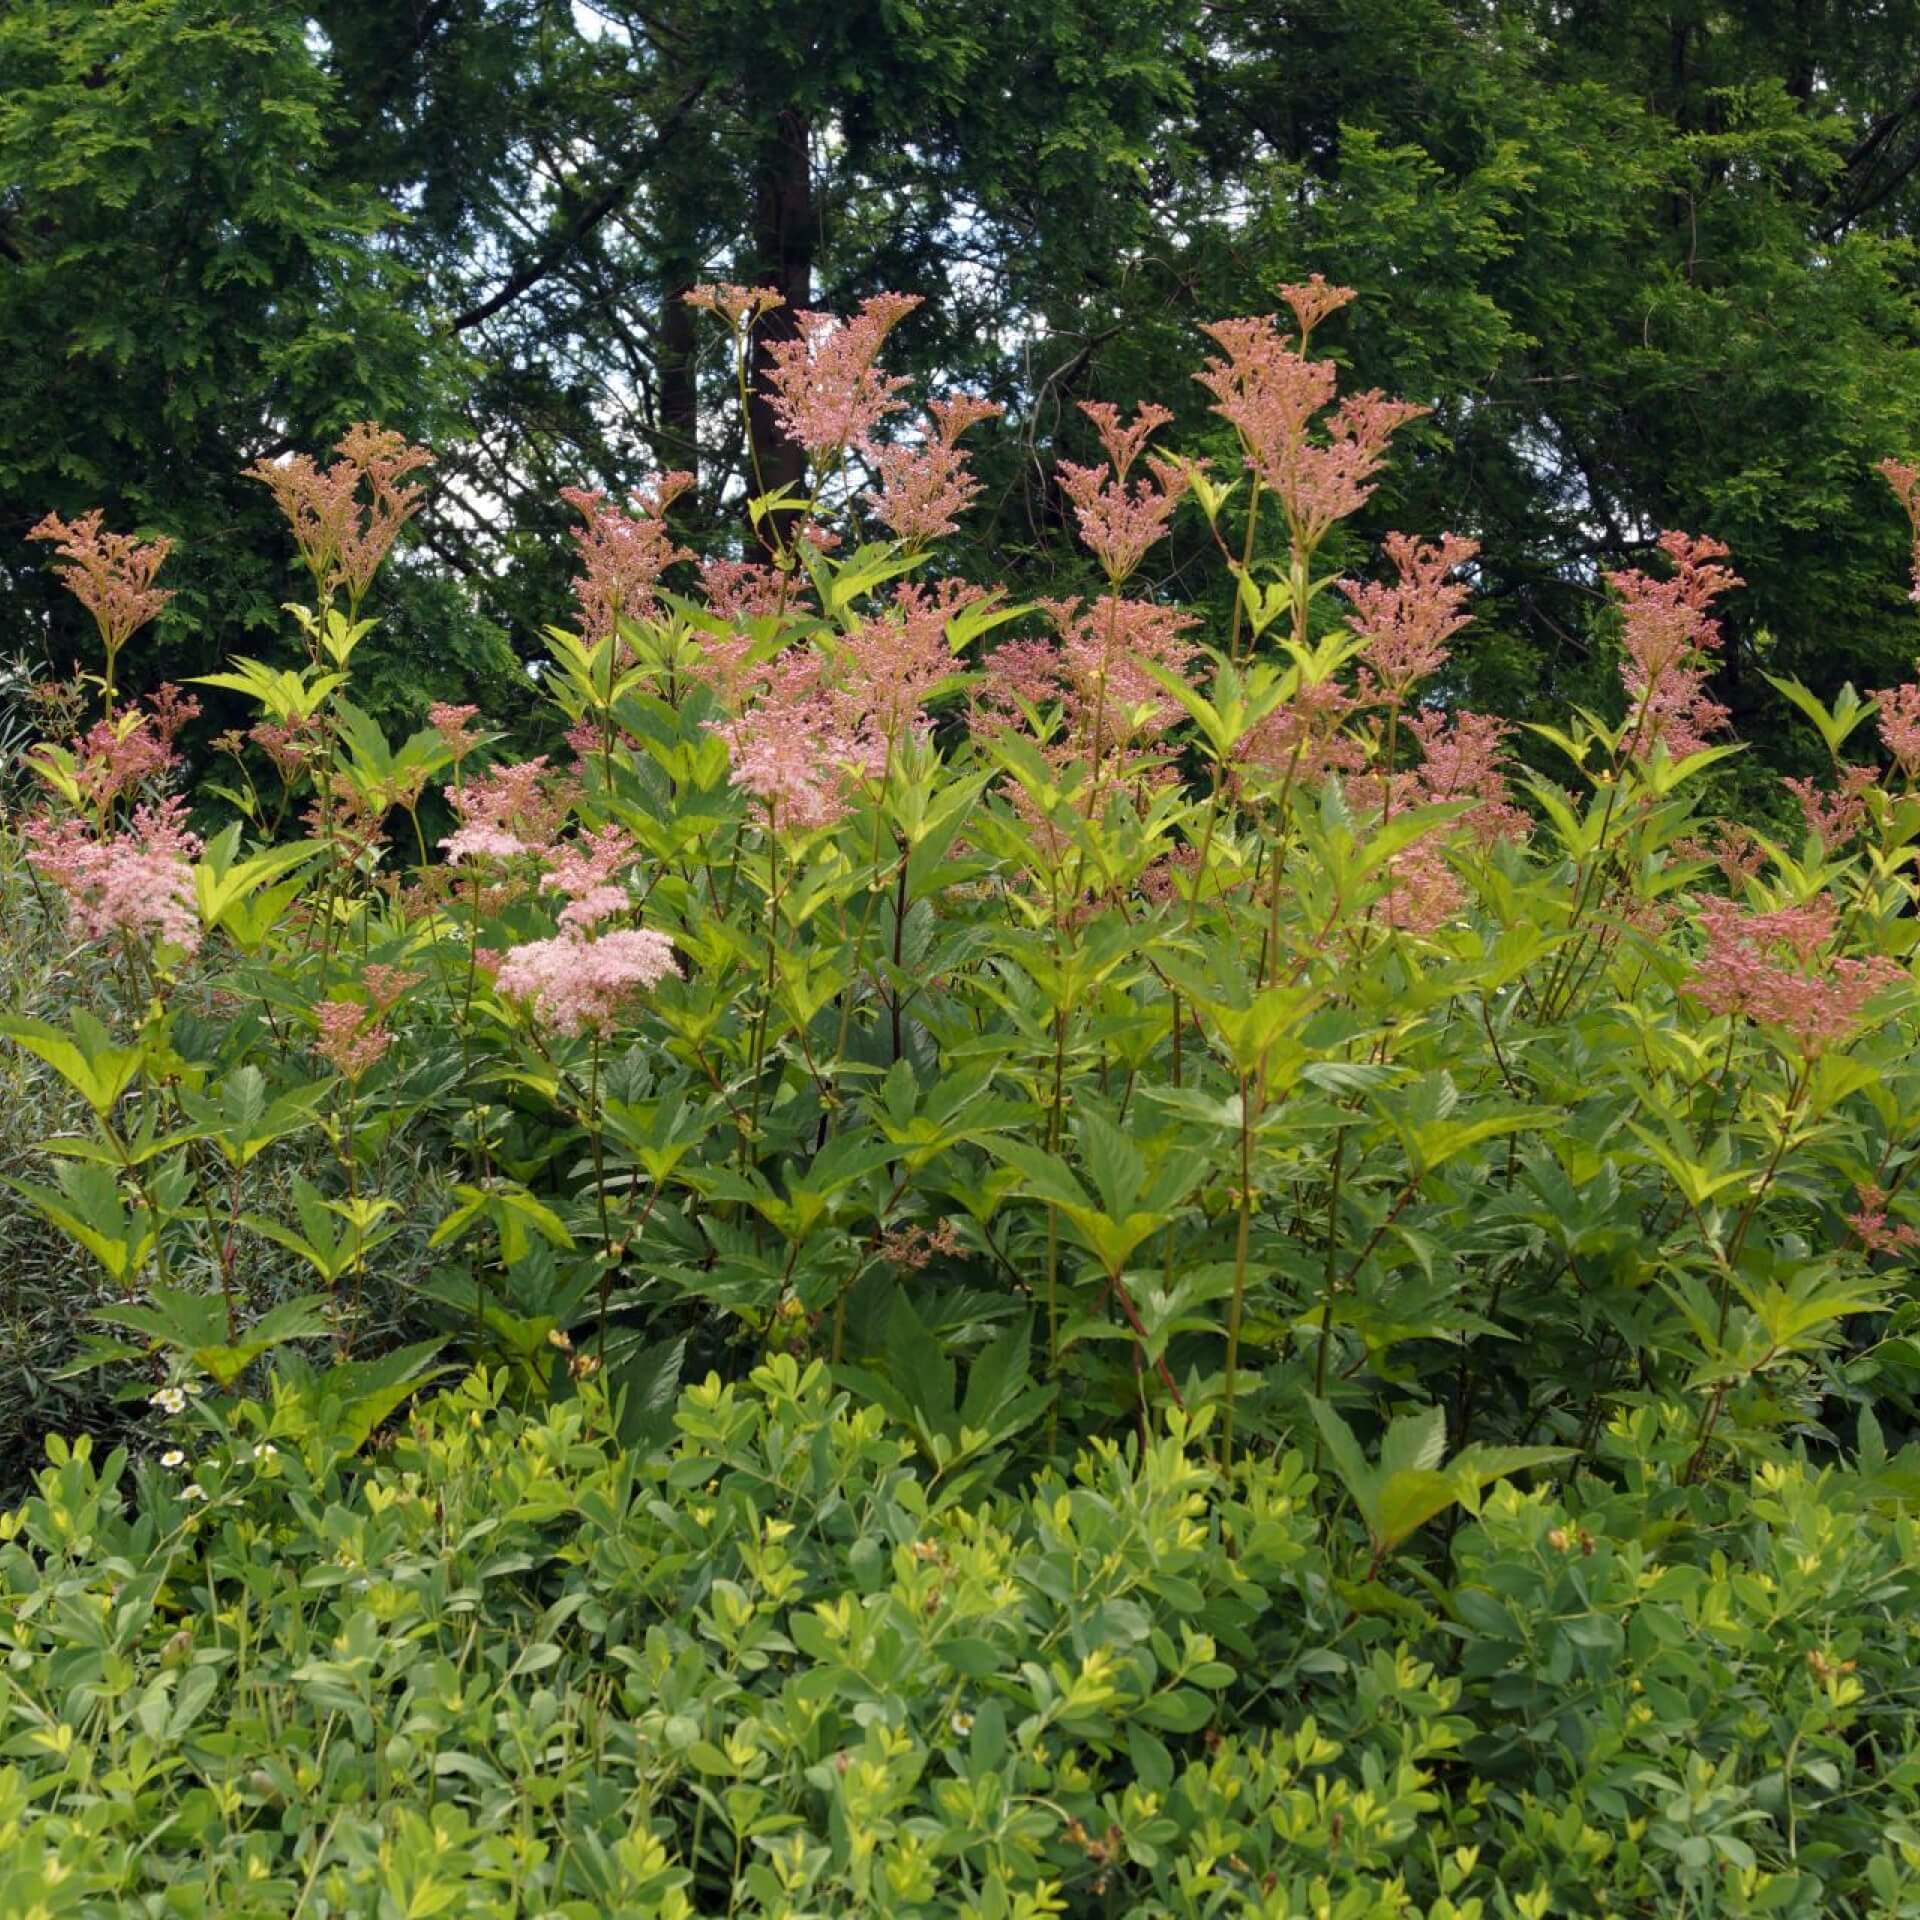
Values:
[(1097, 675), (792, 750), (912, 1248), (351, 1037), (507, 811), (1312, 300), (345, 517), (1265, 389), (1899, 723), (1272, 395), (747, 589), (623, 555), (1425, 893), (827, 392), (170, 710), (1017, 674), (737, 305), (1461, 756), (886, 669), (1834, 815), (926, 487), (575, 984), (1870, 1223), (288, 747), (1171, 877), (138, 883), (1774, 968), (1092, 698), (1121, 521), (1735, 850), (113, 756), (1321, 483), (1407, 623), (110, 574), (119, 755), (589, 739), (1305, 739), (584, 871), (732, 668), (1669, 634), (1106, 649), (1905, 482), (451, 723), (386, 984)]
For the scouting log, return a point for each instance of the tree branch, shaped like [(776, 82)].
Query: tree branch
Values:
[(609, 200)]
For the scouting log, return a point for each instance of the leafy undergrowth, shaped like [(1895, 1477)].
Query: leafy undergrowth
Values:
[(773, 1667), (1475, 1197)]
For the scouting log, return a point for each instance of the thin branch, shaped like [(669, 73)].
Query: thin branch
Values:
[(609, 200)]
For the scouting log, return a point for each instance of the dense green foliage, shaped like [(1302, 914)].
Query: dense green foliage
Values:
[(975, 1164), (773, 1668), (1653, 265), (1147, 1147)]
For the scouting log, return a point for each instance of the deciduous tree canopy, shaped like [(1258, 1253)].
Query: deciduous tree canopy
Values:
[(1650, 266)]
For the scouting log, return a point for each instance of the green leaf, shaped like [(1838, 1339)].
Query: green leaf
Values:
[(1349, 1462), (84, 1056), (1849, 710)]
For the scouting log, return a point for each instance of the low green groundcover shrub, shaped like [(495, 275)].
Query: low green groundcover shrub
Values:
[(503, 1665)]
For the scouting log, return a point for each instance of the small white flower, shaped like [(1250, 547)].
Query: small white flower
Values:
[(193, 1491), (265, 1450), (173, 1457), (168, 1400), (962, 1724)]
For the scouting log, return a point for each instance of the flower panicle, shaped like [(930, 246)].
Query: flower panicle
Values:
[(110, 574), (737, 305), (1904, 478), (137, 882), (577, 984), (623, 555), (826, 388), (349, 1037), (1669, 633), (925, 487), (1405, 624), (346, 516), (1121, 520), (791, 750), (508, 811), (1899, 724), (1775, 967)]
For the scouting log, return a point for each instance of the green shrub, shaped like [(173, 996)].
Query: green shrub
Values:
[(1184, 1026), (1168, 1132), (508, 1667)]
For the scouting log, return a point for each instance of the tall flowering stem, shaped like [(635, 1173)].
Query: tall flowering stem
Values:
[(925, 488), (1404, 626), (346, 516), (622, 557), (1668, 636), (740, 308), (1274, 395), (111, 575), (828, 391), (1904, 479)]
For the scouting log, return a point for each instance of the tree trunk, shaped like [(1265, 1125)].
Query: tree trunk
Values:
[(783, 244), (677, 443)]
